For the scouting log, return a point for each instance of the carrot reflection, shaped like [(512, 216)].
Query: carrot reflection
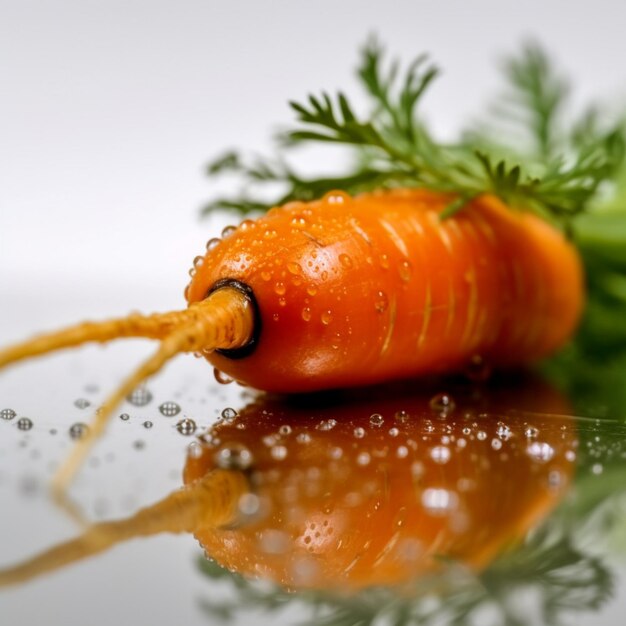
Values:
[(353, 491)]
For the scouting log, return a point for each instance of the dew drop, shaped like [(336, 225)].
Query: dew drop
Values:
[(401, 416), (266, 276), (228, 231), (24, 423), (211, 244), (311, 290), (328, 424), (336, 197), (81, 403), (278, 453), (439, 501), (306, 314), (140, 396), (442, 404), (303, 438), (394, 432), (294, 268), (285, 430), (440, 454), (280, 288), (221, 377), (402, 452), (327, 318), (531, 432), (7, 414), (345, 260), (540, 451), (384, 261), (597, 468), (148, 424), (381, 302), (503, 431), (481, 435), (169, 409), (233, 457), (363, 458), (198, 261), (570, 455), (249, 504), (359, 432), (186, 426), (229, 414), (194, 450), (404, 270), (376, 420), (78, 430), (496, 444)]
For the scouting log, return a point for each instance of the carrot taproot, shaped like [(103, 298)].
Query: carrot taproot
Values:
[(353, 291), (369, 488)]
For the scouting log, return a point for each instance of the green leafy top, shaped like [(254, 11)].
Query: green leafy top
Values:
[(391, 146)]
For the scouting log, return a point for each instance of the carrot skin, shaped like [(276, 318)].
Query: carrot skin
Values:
[(355, 291)]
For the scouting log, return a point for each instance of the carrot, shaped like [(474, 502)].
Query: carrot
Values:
[(373, 488), (353, 291)]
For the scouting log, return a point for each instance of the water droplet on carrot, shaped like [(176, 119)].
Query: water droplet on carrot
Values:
[(384, 261), (169, 409), (381, 302), (279, 288), (404, 269), (278, 453), (440, 454), (294, 268), (531, 432), (442, 404), (8, 414), (221, 377), (326, 317), (345, 260), (229, 414), (394, 432), (198, 261), (376, 420), (233, 457), (401, 416), (211, 244), (306, 314), (311, 290), (186, 426), (228, 230), (78, 430), (328, 424), (359, 432), (24, 423), (503, 431), (481, 435), (148, 424), (363, 458), (540, 451), (335, 197), (438, 501), (247, 225), (285, 430)]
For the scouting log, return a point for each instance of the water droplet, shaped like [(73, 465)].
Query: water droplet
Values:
[(327, 318), (570, 455), (531, 432), (496, 444), (336, 197), (401, 416), (394, 432), (376, 420), (381, 302), (228, 231), (442, 404), (503, 431), (359, 432), (278, 452), (439, 501), (294, 268), (303, 438), (477, 370), (148, 424), (198, 261), (247, 225), (404, 270), (221, 377), (24, 423), (186, 426), (384, 261), (124, 417), (311, 290), (597, 468), (402, 452), (440, 454), (280, 288), (139, 444), (363, 458), (249, 504), (211, 244), (481, 435), (78, 430), (285, 430), (8, 414), (328, 424), (540, 451), (335, 453), (140, 396), (81, 403), (229, 414), (345, 260), (306, 314), (169, 409), (233, 456), (194, 450)]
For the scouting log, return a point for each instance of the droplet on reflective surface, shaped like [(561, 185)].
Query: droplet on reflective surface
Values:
[(81, 403), (125, 417), (359, 432), (503, 431), (540, 451), (148, 424), (140, 397), (169, 409), (306, 314), (404, 270), (228, 231), (326, 317), (328, 424), (211, 244), (194, 450), (78, 430), (8, 414), (363, 458), (24, 423), (186, 426), (376, 420), (442, 404), (234, 457), (440, 454), (221, 377), (229, 414)]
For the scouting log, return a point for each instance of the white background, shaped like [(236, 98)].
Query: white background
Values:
[(108, 112)]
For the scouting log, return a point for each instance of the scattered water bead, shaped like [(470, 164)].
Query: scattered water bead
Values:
[(376, 420), (570, 455), (503, 431), (439, 501), (140, 396), (381, 302), (597, 468), (285, 429), (402, 452), (405, 270), (328, 424), (363, 458), (229, 414), (280, 288), (278, 452), (540, 451), (306, 314), (481, 435), (24, 423), (496, 444), (394, 432), (228, 231), (8, 414), (139, 444), (212, 243), (345, 260), (359, 432), (124, 417), (303, 438), (531, 432), (221, 378), (442, 404), (78, 430), (186, 426), (169, 409), (294, 268), (194, 450), (148, 424), (81, 403), (336, 197), (326, 317), (234, 457), (401, 416), (440, 454), (249, 504)]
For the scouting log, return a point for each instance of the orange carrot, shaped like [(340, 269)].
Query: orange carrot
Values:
[(352, 291)]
